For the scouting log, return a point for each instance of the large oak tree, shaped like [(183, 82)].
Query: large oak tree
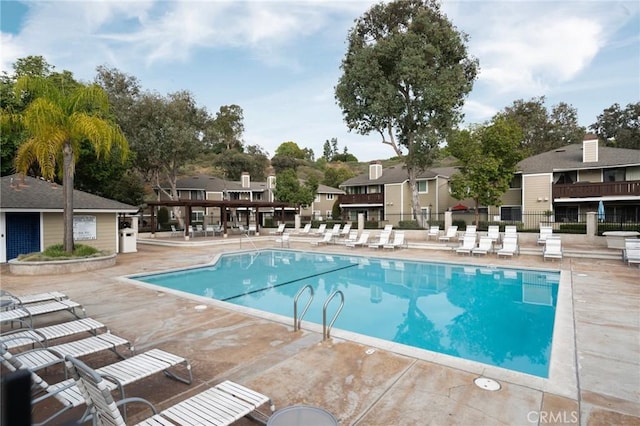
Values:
[(405, 75)]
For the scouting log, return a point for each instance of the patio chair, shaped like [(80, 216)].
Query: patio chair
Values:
[(398, 241), (471, 229), (351, 238), (321, 229), (120, 374), (484, 246), (452, 232), (631, 251), (362, 241), (552, 249), (7, 298), (493, 232), (336, 230), (29, 335), (174, 231), (388, 228), (17, 311), (306, 230), (509, 246), (468, 244), (222, 404), (43, 357), (345, 230), (510, 230), (284, 239), (252, 229), (545, 232), (326, 239), (434, 231), (279, 230), (382, 240)]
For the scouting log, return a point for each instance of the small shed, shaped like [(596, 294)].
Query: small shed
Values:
[(31, 217)]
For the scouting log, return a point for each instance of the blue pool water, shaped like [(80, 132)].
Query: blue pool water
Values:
[(502, 317)]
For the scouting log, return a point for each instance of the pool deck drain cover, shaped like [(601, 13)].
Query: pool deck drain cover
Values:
[(487, 384), (200, 307)]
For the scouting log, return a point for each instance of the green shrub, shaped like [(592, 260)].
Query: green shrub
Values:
[(163, 218), (573, 228), (56, 252), (461, 224), (409, 224)]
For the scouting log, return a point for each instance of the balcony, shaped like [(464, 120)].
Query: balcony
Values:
[(584, 190), (362, 199)]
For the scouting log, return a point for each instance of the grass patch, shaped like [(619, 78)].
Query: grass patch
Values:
[(56, 252)]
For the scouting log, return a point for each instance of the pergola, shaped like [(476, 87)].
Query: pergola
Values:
[(223, 205)]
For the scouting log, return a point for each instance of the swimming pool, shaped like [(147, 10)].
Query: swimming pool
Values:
[(497, 316)]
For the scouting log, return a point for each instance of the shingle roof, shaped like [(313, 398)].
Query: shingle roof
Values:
[(28, 193), (570, 158), (396, 174)]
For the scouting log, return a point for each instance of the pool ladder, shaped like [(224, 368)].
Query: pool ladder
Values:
[(326, 330)]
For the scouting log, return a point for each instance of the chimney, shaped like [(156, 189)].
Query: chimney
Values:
[(590, 151), (271, 181), (375, 170), (245, 180)]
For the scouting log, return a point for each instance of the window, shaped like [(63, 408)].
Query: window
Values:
[(516, 182), (197, 216), (329, 196), (512, 213), (613, 175), (566, 177), (317, 199), (423, 186), (197, 195)]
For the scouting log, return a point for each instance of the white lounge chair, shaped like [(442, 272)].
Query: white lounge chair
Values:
[(7, 298), (493, 232), (321, 229), (345, 230), (631, 251), (362, 241), (120, 374), (484, 246), (552, 249), (434, 231), (510, 230), (43, 357), (283, 240), (29, 336), (545, 232), (388, 228), (336, 230), (222, 404), (306, 230), (326, 239), (468, 244), (398, 241), (382, 240), (452, 232), (22, 312), (352, 237), (509, 246), (470, 229), (279, 230)]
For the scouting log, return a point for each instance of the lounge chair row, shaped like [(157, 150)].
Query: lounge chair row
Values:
[(221, 404)]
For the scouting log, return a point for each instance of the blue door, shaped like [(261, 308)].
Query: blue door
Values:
[(23, 234)]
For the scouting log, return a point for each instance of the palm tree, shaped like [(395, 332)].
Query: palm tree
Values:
[(57, 122)]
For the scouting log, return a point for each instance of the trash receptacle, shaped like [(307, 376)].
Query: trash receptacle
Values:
[(128, 241)]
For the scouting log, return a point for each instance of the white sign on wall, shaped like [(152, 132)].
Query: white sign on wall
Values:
[(84, 228)]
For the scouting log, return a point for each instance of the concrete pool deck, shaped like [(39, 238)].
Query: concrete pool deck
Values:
[(361, 383)]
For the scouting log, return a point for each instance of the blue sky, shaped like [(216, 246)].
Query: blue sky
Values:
[(280, 60)]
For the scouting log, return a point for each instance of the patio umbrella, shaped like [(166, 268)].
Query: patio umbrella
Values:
[(601, 211)]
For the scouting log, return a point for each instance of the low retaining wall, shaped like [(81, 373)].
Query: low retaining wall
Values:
[(55, 267)]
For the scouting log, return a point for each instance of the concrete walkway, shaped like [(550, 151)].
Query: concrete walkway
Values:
[(359, 382)]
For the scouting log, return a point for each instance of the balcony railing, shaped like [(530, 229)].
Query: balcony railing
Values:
[(581, 190), (377, 198)]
